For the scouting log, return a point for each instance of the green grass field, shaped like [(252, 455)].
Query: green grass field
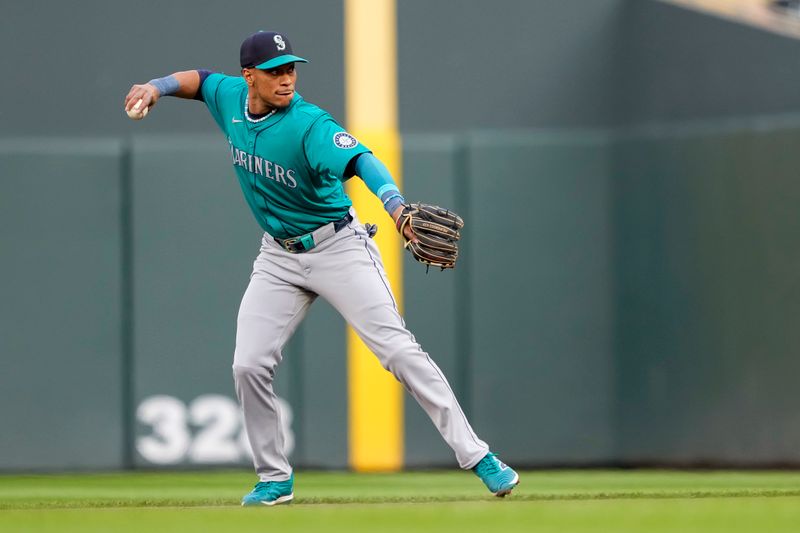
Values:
[(559, 501)]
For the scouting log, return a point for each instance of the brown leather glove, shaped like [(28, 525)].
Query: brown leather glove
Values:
[(437, 231)]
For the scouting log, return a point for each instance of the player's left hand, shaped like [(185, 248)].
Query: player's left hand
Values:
[(408, 233)]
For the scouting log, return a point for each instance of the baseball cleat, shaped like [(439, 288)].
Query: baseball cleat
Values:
[(498, 477), (270, 493)]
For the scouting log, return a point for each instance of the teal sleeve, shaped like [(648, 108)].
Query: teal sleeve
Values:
[(329, 148), (379, 180), (221, 95)]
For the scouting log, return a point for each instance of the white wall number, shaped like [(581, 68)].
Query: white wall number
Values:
[(170, 440), (219, 421), (209, 431)]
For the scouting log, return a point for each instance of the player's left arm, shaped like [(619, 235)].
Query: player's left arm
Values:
[(379, 180), (330, 150)]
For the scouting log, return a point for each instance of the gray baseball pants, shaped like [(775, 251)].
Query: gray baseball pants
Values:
[(347, 271)]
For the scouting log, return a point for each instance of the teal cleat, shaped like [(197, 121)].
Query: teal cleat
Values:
[(498, 477), (270, 493)]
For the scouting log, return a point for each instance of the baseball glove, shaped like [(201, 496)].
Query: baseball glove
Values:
[(436, 229)]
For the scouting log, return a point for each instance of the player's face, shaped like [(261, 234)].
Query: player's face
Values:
[(274, 87)]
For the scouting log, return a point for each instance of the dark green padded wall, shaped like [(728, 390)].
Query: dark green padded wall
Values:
[(625, 297), (61, 391), (707, 255), (539, 273)]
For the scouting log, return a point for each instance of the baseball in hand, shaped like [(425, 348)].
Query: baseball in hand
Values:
[(135, 113)]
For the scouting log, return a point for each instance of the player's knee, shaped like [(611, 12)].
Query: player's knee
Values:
[(397, 360), (251, 355), (246, 374)]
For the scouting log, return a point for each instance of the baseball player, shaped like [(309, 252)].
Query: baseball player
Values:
[(292, 159)]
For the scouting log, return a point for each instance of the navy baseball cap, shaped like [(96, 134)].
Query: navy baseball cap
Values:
[(266, 50)]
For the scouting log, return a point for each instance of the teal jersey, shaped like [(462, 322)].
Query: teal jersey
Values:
[(290, 165)]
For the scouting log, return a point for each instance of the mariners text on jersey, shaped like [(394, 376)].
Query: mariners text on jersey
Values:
[(263, 167)]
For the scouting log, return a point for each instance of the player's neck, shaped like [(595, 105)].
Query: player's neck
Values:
[(256, 106)]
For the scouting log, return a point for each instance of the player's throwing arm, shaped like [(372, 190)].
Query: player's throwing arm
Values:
[(141, 98)]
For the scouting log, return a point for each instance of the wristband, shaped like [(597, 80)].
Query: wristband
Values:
[(393, 202), (166, 86)]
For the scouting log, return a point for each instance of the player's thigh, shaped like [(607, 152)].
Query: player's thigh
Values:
[(270, 312), (358, 288)]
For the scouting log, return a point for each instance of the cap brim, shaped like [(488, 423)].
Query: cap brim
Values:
[(276, 62)]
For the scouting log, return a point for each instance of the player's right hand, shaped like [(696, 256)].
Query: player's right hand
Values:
[(147, 93)]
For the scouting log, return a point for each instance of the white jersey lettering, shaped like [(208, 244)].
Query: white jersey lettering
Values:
[(279, 174), (264, 167), (290, 177)]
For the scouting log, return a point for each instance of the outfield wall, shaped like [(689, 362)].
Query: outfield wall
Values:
[(623, 296), (707, 295), (61, 280)]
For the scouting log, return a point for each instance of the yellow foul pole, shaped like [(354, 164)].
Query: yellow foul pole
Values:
[(375, 410)]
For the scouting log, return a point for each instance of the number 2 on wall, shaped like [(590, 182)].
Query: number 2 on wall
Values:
[(219, 436)]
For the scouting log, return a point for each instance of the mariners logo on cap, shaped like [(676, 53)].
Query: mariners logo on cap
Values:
[(344, 140)]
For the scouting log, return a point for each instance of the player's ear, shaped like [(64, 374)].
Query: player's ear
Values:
[(248, 76)]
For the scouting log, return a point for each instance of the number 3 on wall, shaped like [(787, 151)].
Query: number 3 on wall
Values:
[(219, 436)]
